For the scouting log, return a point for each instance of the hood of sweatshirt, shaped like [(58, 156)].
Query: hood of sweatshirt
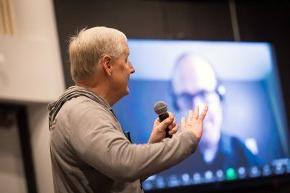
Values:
[(71, 92)]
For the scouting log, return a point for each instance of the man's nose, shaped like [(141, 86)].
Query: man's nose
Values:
[(132, 69)]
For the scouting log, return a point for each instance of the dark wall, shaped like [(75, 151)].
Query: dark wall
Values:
[(197, 20), (269, 21)]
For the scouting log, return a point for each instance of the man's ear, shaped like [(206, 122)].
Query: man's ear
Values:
[(106, 63)]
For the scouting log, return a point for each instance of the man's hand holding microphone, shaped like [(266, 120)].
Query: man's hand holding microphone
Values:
[(165, 125)]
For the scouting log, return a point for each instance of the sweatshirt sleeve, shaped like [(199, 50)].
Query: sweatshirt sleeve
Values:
[(99, 143)]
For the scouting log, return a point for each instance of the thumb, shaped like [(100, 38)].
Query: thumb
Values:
[(156, 122)]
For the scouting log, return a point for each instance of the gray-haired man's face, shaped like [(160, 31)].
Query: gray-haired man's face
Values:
[(122, 69)]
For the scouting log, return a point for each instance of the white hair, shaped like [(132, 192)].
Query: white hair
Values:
[(89, 45)]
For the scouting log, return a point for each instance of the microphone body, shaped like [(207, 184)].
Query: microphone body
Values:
[(160, 108)]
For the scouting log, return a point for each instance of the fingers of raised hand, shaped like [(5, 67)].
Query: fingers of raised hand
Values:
[(182, 124), (189, 116), (194, 117), (203, 114), (196, 112)]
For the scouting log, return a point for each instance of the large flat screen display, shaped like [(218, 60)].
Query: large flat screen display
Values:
[(245, 131)]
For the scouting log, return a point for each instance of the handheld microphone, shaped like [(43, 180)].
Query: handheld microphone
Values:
[(160, 108)]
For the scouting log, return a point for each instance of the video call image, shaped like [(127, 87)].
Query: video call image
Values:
[(245, 130)]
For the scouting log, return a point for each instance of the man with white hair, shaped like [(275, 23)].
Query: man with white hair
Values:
[(89, 150)]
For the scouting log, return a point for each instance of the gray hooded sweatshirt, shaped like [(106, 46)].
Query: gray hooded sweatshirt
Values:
[(90, 152)]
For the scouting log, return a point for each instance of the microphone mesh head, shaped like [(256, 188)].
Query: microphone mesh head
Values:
[(160, 107)]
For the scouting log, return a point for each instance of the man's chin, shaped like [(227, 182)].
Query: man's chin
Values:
[(127, 91)]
